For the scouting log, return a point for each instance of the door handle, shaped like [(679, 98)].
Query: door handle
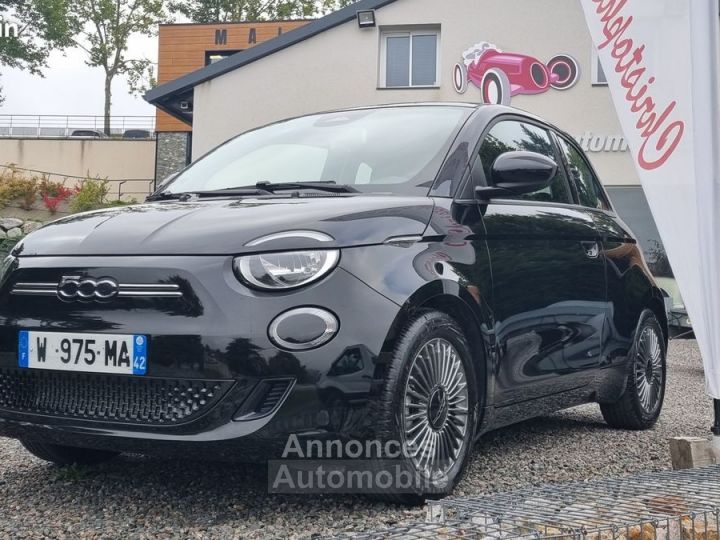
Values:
[(592, 249)]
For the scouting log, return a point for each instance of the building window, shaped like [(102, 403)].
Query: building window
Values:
[(215, 56), (410, 59), (598, 74)]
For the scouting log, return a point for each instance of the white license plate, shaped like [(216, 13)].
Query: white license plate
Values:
[(94, 353)]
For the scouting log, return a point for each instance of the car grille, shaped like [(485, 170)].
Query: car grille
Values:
[(130, 400)]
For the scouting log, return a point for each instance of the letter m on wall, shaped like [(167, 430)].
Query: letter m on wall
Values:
[(221, 37)]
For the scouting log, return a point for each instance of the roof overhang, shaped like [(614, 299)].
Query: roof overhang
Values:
[(176, 97)]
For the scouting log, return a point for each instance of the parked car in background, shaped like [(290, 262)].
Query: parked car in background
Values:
[(87, 134), (137, 134), (418, 274)]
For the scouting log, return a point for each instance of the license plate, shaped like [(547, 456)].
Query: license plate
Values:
[(94, 353)]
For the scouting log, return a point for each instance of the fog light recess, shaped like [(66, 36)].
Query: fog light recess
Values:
[(303, 328)]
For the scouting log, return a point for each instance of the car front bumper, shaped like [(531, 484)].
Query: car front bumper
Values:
[(209, 353)]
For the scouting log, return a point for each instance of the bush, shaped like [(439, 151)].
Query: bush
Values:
[(15, 187), (90, 195), (54, 193), (6, 246)]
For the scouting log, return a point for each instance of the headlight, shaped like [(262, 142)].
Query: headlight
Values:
[(289, 270)]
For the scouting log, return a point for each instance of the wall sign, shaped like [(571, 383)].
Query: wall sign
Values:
[(500, 75)]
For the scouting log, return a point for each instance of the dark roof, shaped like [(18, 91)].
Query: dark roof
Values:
[(187, 82)]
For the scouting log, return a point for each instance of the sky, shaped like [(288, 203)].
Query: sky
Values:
[(72, 88)]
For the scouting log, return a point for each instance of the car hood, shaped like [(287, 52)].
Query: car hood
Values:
[(215, 227)]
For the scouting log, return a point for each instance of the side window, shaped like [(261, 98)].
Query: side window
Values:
[(588, 187), (510, 136)]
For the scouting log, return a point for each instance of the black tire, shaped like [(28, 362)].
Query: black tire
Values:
[(67, 455), (639, 408), (429, 328)]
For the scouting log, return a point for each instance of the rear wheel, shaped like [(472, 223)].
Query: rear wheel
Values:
[(640, 405), (67, 455), (429, 406)]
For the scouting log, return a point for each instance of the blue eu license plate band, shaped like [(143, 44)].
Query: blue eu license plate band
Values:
[(24, 349), (139, 355)]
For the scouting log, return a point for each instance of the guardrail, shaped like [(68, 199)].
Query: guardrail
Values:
[(58, 126), (138, 188)]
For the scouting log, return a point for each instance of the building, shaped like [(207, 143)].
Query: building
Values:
[(536, 55), (183, 49)]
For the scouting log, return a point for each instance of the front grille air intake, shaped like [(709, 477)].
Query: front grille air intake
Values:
[(265, 399), (129, 400)]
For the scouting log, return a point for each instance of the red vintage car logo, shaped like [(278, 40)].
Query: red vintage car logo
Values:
[(500, 75)]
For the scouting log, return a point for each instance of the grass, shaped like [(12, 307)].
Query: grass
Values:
[(73, 473)]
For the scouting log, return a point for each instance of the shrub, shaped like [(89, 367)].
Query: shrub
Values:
[(14, 186), (54, 193), (119, 202), (90, 195)]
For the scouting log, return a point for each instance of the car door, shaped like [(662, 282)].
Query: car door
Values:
[(548, 275)]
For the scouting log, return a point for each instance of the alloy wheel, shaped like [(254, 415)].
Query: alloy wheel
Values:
[(436, 409), (649, 371)]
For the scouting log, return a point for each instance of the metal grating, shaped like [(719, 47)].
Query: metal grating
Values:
[(673, 505), (131, 400)]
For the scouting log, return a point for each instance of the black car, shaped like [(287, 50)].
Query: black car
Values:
[(418, 273)]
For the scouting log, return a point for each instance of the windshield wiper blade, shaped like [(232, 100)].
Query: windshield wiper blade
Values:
[(330, 187), (163, 196), (188, 195)]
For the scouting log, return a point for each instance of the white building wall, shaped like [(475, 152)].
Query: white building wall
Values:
[(340, 68)]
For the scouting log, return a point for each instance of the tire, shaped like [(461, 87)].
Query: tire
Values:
[(641, 403), (566, 68), (460, 80), (495, 88), (400, 417), (67, 455)]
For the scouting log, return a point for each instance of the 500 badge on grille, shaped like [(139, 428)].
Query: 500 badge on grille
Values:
[(94, 353)]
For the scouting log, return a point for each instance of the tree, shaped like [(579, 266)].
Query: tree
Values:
[(42, 26), (104, 31), (211, 11)]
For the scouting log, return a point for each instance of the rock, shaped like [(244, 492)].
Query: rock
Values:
[(3, 235), (31, 226), (10, 223), (15, 233)]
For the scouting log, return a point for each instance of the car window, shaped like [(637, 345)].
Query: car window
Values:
[(589, 191), (510, 136)]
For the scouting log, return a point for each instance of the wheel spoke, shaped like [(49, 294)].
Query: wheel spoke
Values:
[(436, 408)]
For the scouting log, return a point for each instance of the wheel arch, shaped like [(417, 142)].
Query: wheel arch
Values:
[(468, 311), (656, 304)]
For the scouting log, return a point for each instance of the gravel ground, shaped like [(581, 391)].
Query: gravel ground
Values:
[(136, 497)]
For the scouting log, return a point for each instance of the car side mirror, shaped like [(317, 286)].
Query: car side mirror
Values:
[(517, 173)]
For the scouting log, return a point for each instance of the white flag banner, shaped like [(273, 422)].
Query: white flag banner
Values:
[(661, 62)]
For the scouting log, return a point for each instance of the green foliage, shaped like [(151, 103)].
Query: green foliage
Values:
[(45, 25), (210, 11), (119, 203), (73, 473), (90, 195), (16, 187), (6, 245), (104, 29)]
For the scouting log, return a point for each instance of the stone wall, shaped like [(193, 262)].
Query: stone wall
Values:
[(15, 228), (172, 153)]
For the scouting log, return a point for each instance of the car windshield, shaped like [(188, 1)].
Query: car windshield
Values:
[(396, 150)]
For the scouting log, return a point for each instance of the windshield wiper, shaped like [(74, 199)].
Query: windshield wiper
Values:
[(229, 192), (330, 186), (261, 188)]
